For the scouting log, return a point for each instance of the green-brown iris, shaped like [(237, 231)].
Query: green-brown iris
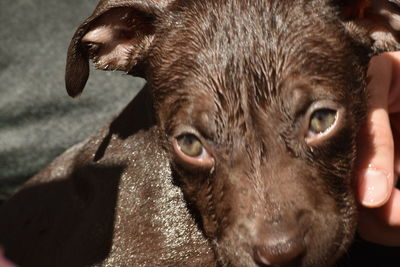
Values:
[(322, 120), (190, 145)]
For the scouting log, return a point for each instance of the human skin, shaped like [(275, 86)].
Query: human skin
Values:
[(378, 162), (5, 262)]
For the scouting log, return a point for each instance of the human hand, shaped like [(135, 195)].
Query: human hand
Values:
[(5, 262), (378, 162)]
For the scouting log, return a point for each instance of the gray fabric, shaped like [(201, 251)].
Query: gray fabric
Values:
[(38, 121)]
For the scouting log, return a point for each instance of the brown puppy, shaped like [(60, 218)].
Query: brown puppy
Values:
[(239, 151)]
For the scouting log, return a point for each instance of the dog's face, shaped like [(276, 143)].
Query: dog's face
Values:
[(259, 104), (261, 128)]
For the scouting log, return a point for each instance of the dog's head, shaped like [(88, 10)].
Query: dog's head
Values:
[(259, 103)]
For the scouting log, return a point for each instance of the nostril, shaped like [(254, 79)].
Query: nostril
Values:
[(286, 253)]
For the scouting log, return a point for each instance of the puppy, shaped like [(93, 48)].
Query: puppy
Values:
[(238, 152)]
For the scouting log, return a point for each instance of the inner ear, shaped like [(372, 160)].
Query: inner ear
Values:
[(355, 9), (376, 20), (116, 40)]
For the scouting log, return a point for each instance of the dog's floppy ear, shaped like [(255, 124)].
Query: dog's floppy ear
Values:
[(116, 37), (376, 23)]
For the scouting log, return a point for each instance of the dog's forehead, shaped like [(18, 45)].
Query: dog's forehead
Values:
[(245, 62), (236, 43)]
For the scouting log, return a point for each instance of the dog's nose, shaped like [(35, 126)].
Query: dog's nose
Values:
[(285, 251)]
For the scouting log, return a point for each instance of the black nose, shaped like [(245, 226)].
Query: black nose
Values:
[(285, 251)]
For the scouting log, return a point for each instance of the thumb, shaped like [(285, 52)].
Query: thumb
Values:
[(375, 142)]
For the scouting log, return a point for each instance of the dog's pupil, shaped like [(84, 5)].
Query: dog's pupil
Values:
[(322, 120), (190, 145)]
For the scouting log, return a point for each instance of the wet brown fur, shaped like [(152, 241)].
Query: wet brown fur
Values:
[(240, 75)]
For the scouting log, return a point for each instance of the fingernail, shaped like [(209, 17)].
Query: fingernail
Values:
[(375, 187)]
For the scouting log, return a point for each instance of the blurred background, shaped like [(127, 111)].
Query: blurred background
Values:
[(38, 120)]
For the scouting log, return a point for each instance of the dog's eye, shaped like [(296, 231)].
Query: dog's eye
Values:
[(190, 145), (321, 120), (191, 151)]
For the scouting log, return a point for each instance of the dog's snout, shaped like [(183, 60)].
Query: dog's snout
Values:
[(286, 251), (282, 241)]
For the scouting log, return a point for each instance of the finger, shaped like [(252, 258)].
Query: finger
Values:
[(373, 229), (391, 211), (394, 92), (395, 122), (394, 107), (375, 143), (5, 262)]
